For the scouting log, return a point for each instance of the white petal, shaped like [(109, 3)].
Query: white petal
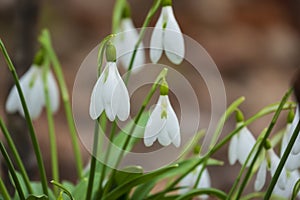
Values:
[(163, 138), (125, 43), (245, 145), (261, 176), (274, 164), (13, 101), (172, 124), (156, 42), (53, 92), (285, 139), (173, 41), (120, 100), (233, 149), (97, 104), (154, 125), (188, 181), (296, 147)]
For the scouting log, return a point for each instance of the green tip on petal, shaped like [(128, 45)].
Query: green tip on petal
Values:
[(239, 116), (290, 116), (166, 3), (164, 88), (111, 55), (39, 58), (126, 13), (268, 144)]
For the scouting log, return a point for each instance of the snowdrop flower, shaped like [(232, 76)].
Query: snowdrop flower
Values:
[(33, 89), (167, 36), (163, 124), (189, 181), (125, 42), (293, 161), (110, 93), (270, 162), (292, 178), (241, 144), (296, 147)]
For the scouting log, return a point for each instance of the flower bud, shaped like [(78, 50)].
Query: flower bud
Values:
[(239, 116), (111, 53), (290, 116)]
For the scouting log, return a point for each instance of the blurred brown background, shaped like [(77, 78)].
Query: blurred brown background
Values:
[(255, 44)]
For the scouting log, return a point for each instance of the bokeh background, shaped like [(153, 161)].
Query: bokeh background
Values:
[(255, 44)]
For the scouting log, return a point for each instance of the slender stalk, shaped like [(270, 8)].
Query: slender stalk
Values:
[(107, 154), (28, 120), (12, 171), (46, 42), (4, 191), (16, 155), (93, 162), (261, 145), (51, 127), (152, 11), (282, 161)]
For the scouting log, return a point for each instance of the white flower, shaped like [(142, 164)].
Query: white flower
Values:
[(271, 163), (110, 94), (162, 124), (240, 146), (167, 36), (292, 178), (293, 161), (33, 89), (296, 147), (125, 42), (189, 181)]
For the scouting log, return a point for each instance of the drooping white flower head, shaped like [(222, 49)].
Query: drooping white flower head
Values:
[(270, 163), (240, 146), (293, 161), (110, 94), (162, 125), (167, 36), (33, 89), (125, 43), (292, 179), (190, 180)]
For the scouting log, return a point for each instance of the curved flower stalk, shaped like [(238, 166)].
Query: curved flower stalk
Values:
[(293, 161), (190, 180), (241, 143), (33, 88), (167, 36), (270, 163), (125, 42), (110, 93), (163, 124)]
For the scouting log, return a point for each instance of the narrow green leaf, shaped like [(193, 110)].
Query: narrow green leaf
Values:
[(196, 192), (296, 190), (37, 197)]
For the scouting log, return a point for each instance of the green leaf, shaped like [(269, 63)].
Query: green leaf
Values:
[(65, 190), (128, 185), (142, 191), (36, 197), (127, 174), (296, 190), (209, 191)]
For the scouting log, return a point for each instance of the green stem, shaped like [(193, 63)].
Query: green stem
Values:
[(261, 145), (16, 155), (4, 191), (107, 154), (93, 163), (282, 162), (117, 15), (28, 120), (149, 16), (51, 127), (12, 171), (45, 40), (209, 191)]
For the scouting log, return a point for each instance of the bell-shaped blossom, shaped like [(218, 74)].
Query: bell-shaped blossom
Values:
[(287, 192), (162, 125), (296, 147), (189, 181), (293, 161), (270, 163), (240, 146), (125, 43), (33, 89), (110, 94), (167, 36)]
